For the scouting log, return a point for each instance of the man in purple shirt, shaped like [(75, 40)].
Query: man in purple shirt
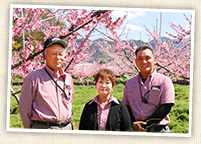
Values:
[(47, 94), (149, 96)]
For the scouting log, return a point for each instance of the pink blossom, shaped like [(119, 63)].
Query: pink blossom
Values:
[(120, 54), (31, 47)]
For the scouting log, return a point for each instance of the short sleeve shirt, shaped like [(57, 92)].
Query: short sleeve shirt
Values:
[(161, 91), (41, 99)]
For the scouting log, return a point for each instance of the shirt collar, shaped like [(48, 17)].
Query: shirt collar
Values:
[(150, 76), (112, 98), (61, 71), (153, 74)]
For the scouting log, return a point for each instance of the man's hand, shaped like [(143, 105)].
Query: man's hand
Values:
[(137, 126)]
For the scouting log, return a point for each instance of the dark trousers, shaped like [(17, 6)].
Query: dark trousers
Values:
[(159, 128), (40, 126)]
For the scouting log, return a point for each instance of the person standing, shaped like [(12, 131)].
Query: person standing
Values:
[(47, 94), (105, 112), (149, 96)]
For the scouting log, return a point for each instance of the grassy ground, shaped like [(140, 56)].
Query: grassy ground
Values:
[(179, 114)]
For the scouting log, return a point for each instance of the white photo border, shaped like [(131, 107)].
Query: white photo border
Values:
[(99, 132)]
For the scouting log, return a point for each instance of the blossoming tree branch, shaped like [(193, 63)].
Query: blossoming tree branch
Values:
[(32, 26)]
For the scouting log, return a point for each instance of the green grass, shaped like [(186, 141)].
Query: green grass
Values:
[(81, 96), (15, 121), (179, 114)]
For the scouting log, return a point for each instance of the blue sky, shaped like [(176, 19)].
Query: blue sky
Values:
[(137, 17), (151, 18)]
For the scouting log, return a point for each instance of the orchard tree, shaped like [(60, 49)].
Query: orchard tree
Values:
[(68, 24), (173, 54), (34, 26)]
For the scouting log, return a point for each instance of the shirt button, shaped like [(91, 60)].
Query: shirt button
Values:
[(141, 111)]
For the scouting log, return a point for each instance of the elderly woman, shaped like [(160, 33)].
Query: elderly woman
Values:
[(105, 112)]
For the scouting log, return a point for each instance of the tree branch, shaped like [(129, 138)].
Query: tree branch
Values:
[(15, 95), (157, 64), (80, 47), (31, 56), (96, 14)]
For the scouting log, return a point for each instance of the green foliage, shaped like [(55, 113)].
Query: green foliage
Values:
[(118, 91), (16, 46), (15, 121), (179, 114), (16, 78), (13, 104), (181, 92), (81, 96), (122, 79), (35, 35), (38, 36)]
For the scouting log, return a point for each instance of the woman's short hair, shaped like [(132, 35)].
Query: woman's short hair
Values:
[(105, 73)]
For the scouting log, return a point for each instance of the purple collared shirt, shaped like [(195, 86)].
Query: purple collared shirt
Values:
[(161, 92), (103, 112), (42, 100)]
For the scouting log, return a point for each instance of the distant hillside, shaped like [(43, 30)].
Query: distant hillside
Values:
[(164, 39), (98, 56)]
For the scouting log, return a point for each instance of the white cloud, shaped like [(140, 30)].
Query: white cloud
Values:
[(187, 28), (130, 15), (141, 13), (118, 14), (134, 27)]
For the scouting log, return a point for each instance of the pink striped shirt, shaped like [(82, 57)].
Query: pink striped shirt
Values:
[(103, 112), (161, 92), (42, 100)]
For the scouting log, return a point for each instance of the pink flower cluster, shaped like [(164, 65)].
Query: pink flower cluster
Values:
[(56, 22), (173, 55)]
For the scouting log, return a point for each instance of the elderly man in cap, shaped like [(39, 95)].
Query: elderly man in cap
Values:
[(47, 94)]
